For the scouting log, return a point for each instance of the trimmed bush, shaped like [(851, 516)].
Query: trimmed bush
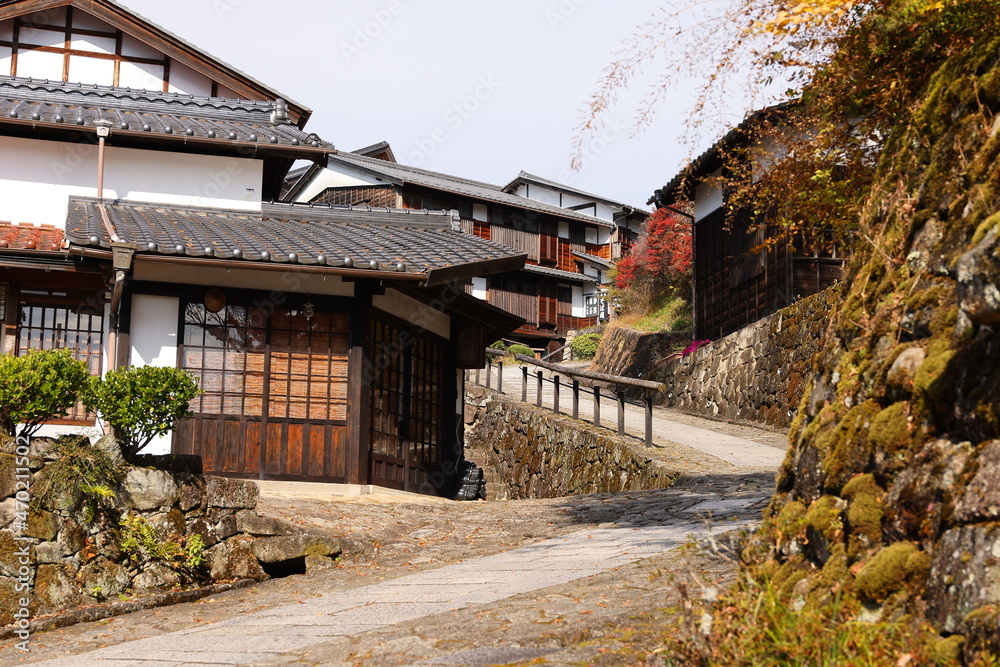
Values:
[(142, 403), (584, 346), (38, 387), (517, 348)]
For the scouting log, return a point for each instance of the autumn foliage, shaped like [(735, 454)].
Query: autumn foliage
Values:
[(661, 258)]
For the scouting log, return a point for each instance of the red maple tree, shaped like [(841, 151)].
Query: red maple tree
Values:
[(662, 256)]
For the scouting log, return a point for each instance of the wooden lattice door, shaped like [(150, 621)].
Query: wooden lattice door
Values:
[(275, 392), (410, 429)]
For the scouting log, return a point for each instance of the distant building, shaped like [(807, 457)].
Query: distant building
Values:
[(571, 238), (734, 285)]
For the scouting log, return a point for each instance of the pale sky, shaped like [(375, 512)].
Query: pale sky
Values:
[(475, 89)]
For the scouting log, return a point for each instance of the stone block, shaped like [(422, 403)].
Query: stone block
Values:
[(8, 476), (225, 523), (42, 525), (231, 493), (963, 575), (205, 528), (193, 493), (8, 512), (72, 537), (147, 489), (288, 547), (101, 579), (251, 523), (155, 575), (233, 560), (169, 523), (12, 553), (49, 552), (55, 588), (10, 599), (981, 499)]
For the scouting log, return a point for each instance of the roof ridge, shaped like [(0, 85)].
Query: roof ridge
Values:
[(95, 95), (428, 172), (495, 192)]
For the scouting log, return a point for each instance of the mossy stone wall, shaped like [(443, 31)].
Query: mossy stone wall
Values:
[(756, 374), (527, 452), (895, 450)]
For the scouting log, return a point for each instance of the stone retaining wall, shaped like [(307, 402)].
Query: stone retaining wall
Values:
[(527, 452), (57, 554), (635, 353), (756, 374)]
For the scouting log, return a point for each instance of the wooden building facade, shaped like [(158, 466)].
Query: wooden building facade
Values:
[(570, 248), (329, 341), (741, 270)]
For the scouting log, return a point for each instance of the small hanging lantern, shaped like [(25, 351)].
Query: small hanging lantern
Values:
[(215, 300), (308, 310)]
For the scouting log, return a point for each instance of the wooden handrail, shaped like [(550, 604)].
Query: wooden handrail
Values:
[(600, 377)]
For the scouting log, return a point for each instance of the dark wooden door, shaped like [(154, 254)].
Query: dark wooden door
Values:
[(275, 387), (306, 419), (411, 386)]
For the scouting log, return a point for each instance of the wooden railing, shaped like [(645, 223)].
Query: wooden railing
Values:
[(622, 388)]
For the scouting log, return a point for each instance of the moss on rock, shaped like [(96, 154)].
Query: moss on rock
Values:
[(892, 568)]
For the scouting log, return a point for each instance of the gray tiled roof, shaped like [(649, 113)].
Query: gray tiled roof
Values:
[(137, 113), (476, 189), (170, 36), (563, 275), (416, 242), (555, 185), (594, 259)]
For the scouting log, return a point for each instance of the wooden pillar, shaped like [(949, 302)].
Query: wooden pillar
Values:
[(360, 374)]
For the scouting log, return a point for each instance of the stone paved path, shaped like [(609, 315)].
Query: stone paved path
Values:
[(726, 442), (435, 582)]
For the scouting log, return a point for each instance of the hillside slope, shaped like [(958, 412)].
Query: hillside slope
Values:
[(891, 488)]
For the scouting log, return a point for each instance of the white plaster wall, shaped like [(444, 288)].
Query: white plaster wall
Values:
[(275, 283), (479, 288), (563, 229), (154, 330), (183, 79), (154, 343), (480, 212), (336, 176), (604, 235), (413, 311), (707, 196), (38, 177), (539, 193), (579, 305)]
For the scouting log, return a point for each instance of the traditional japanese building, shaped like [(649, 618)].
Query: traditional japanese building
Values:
[(570, 238), (743, 269), (137, 191)]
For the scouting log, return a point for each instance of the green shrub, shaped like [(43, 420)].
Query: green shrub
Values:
[(81, 467), (143, 545), (142, 403), (584, 346), (517, 348), (681, 324), (498, 345), (38, 387)]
